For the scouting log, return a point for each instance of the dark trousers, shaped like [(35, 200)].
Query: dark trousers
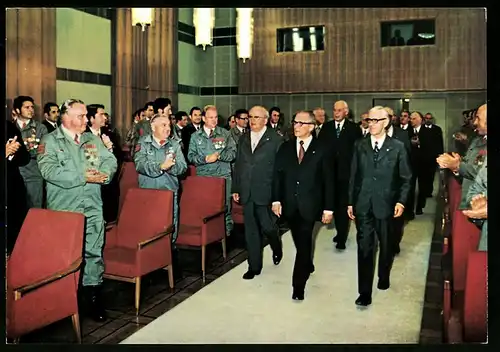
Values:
[(420, 177), (373, 231), (259, 221), (302, 234), (398, 228), (341, 218)]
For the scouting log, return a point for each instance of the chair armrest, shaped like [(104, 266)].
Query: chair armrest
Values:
[(144, 243), (212, 216), (19, 291)]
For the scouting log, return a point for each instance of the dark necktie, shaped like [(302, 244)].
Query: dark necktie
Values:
[(162, 142), (211, 134), (302, 151), (375, 152), (24, 125), (338, 130), (77, 141)]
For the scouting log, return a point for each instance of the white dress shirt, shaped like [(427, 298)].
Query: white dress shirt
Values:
[(255, 137), (95, 132), (417, 129), (196, 127), (207, 130), (341, 124), (390, 131), (240, 128), (404, 127), (380, 141), (365, 131), (307, 142), (20, 123), (52, 123)]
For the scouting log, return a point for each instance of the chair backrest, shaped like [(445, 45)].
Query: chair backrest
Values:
[(129, 179), (455, 194), (465, 239), (145, 214), (201, 196), (476, 298), (191, 170), (49, 241)]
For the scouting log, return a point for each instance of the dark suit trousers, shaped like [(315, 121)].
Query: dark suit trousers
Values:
[(259, 220), (340, 212), (420, 176), (371, 232), (302, 231), (398, 227)]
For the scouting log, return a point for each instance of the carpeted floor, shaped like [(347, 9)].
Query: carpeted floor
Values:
[(232, 310)]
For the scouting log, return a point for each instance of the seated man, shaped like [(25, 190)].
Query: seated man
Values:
[(477, 197), (159, 161)]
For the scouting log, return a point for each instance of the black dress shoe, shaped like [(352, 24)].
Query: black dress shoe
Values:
[(298, 295), (277, 258), (397, 250), (364, 300), (312, 269), (419, 212), (340, 246), (249, 275), (94, 304), (383, 284), (335, 239)]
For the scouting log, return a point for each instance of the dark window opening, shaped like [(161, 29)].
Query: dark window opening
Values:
[(300, 39), (403, 33)]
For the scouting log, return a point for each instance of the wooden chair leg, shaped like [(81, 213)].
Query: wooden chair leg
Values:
[(203, 257), (137, 294), (224, 251), (75, 318), (170, 270)]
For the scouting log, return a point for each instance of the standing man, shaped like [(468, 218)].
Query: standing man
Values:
[(241, 116), (320, 118), (437, 148), (75, 165), (51, 114), (398, 133), (363, 124), (181, 120), (159, 161), (380, 182), (195, 125), (32, 132), (252, 187), (340, 134), (303, 192), (212, 150), (404, 120), (468, 167)]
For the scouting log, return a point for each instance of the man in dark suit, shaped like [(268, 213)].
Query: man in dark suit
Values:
[(303, 193), (16, 155), (195, 125), (320, 117), (398, 133), (341, 135), (437, 148), (51, 114), (379, 186), (423, 163), (252, 187)]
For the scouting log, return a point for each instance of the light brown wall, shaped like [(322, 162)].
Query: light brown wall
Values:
[(31, 55), (144, 63), (354, 61)]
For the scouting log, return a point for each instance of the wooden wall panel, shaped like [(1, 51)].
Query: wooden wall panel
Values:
[(354, 61), (144, 63), (31, 55)]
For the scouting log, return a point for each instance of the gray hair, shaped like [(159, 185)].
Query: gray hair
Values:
[(308, 113), (266, 112), (69, 104), (379, 109)]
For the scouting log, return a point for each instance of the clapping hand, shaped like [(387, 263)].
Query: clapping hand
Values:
[(168, 163), (94, 176), (12, 146), (107, 142), (212, 158)]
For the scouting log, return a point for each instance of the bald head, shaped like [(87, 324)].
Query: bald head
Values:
[(258, 116), (480, 121), (340, 110)]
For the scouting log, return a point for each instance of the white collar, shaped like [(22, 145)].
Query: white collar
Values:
[(340, 124), (70, 134), (390, 131), (239, 128), (307, 141), (261, 132), (158, 141), (20, 122), (52, 123), (207, 130), (380, 141), (95, 132)]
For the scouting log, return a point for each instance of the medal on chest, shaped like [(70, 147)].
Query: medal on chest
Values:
[(91, 156), (219, 143)]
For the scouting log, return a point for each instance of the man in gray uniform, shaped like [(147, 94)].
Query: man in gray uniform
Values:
[(212, 150), (75, 164), (159, 161), (32, 132)]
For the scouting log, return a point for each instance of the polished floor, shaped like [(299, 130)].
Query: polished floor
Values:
[(415, 318), (232, 310)]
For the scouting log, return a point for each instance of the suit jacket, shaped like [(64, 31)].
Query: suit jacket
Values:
[(253, 172), (49, 126), (437, 146), (402, 135), (379, 186), (115, 139), (15, 187), (422, 152), (343, 146), (306, 187), (236, 134), (186, 133)]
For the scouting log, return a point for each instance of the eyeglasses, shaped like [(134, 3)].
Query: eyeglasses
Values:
[(300, 123), (242, 118), (368, 120), (251, 117)]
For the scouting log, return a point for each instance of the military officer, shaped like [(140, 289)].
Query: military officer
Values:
[(159, 161), (75, 164), (32, 132), (468, 167), (212, 150)]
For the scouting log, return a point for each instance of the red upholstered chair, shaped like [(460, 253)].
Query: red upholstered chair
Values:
[(43, 272), (202, 214), (141, 241), (455, 195), (237, 213), (191, 171), (476, 298), (465, 239)]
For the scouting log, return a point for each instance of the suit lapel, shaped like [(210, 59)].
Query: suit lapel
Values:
[(386, 148), (263, 140), (310, 152)]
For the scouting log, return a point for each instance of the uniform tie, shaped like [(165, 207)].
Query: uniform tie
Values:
[(24, 125), (375, 152), (302, 151), (162, 142), (211, 133), (77, 141), (338, 130)]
